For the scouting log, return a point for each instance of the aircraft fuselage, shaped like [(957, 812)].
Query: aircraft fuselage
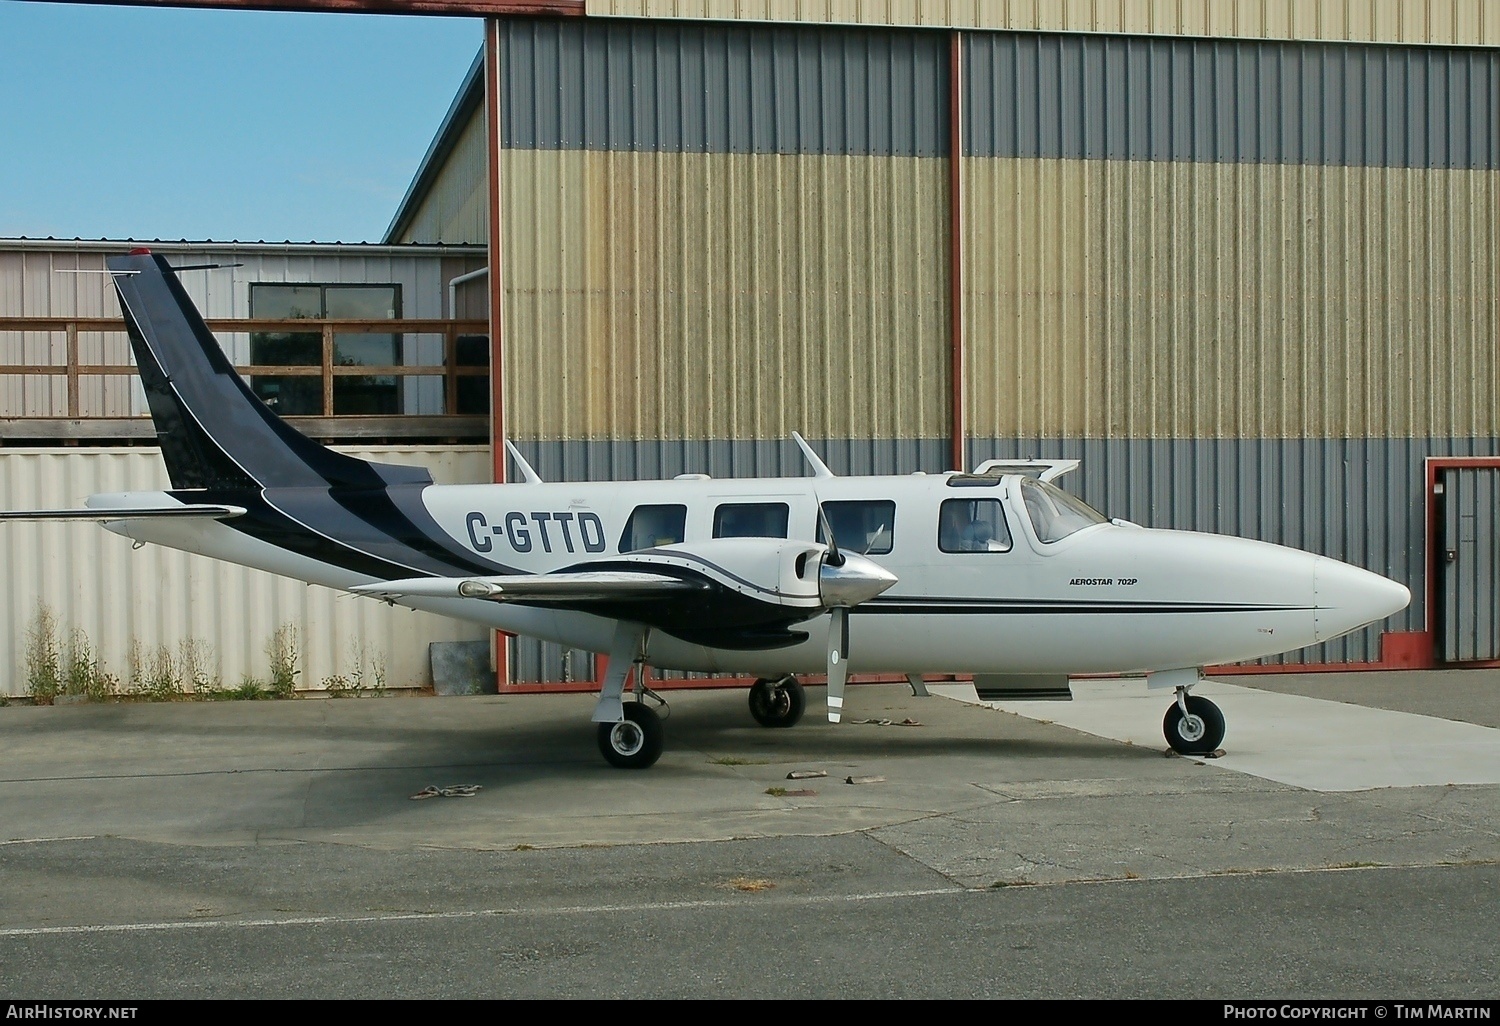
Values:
[(1104, 598)]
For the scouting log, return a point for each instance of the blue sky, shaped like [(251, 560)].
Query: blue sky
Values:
[(125, 122)]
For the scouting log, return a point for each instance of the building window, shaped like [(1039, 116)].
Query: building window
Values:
[(302, 395)]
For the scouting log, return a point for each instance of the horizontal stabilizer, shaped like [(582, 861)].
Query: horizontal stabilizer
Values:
[(612, 585), (188, 512)]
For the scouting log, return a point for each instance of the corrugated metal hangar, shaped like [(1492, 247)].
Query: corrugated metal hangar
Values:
[(1240, 256)]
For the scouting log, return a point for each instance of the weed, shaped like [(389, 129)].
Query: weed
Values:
[(776, 792), (43, 658), (85, 674), (282, 650), (366, 677), (732, 760), (154, 675), (199, 666)]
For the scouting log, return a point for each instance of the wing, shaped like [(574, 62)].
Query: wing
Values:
[(569, 588), (189, 512), (737, 593)]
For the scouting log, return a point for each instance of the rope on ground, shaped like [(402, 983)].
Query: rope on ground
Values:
[(453, 791)]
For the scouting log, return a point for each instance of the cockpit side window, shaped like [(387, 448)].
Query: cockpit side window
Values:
[(865, 526), (750, 520), (1054, 513), (650, 526), (972, 525)]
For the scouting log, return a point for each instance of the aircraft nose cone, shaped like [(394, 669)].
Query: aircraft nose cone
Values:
[(853, 581), (1348, 598)]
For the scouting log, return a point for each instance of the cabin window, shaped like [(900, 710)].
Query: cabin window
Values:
[(1054, 513), (864, 526), (750, 520), (650, 526), (972, 525), (985, 480)]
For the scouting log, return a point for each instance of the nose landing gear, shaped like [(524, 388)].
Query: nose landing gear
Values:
[(1193, 725)]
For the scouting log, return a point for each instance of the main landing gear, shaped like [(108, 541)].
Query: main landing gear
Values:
[(777, 703), (634, 742), (630, 734), (1194, 725)]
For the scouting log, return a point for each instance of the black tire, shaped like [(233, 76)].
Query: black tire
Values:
[(777, 703), (635, 742), (1200, 732)]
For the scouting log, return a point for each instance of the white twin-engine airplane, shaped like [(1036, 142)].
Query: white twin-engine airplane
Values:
[(996, 573)]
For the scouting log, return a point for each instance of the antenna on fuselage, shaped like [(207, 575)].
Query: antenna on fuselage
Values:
[(528, 475), (819, 468)]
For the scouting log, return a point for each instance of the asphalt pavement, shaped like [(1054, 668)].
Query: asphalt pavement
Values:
[(1345, 845)]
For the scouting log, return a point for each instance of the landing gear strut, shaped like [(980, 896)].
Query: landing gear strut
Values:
[(1193, 725), (777, 703), (630, 734)]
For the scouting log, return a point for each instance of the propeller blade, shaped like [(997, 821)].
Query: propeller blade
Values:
[(834, 557), (838, 661)]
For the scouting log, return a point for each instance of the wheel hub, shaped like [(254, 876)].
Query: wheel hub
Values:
[(1191, 728), (626, 738)]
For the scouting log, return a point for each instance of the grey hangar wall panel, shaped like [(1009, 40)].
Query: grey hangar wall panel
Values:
[(1230, 101), (704, 88)]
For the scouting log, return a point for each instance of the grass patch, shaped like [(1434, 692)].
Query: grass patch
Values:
[(751, 884), (734, 760), (249, 689)]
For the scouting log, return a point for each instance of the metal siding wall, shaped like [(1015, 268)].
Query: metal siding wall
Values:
[(455, 209), (44, 284), (1122, 98), (704, 88), (92, 579), (694, 296), (39, 283), (724, 232), (1142, 299), (1464, 22)]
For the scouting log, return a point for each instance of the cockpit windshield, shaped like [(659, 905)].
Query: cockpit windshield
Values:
[(1054, 513)]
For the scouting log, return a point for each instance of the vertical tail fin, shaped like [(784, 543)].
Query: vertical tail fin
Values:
[(214, 432)]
